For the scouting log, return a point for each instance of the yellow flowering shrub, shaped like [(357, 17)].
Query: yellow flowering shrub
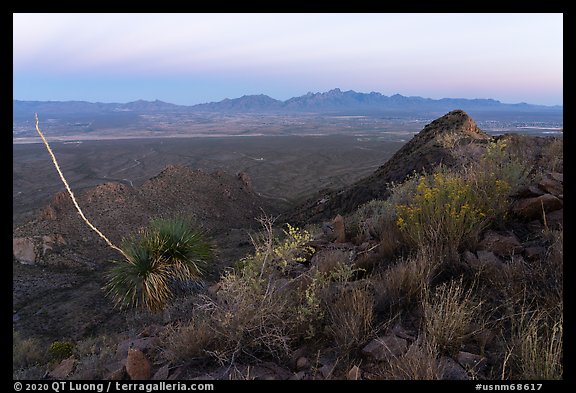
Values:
[(444, 212), (295, 246)]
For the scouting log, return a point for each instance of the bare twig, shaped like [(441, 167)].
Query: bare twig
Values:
[(72, 194)]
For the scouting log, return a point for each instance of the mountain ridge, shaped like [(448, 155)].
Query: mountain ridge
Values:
[(334, 100)]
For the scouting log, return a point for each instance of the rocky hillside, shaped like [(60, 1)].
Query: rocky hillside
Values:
[(219, 202), (58, 258), (359, 297), (447, 140)]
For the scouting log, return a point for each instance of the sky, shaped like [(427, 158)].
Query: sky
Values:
[(195, 58)]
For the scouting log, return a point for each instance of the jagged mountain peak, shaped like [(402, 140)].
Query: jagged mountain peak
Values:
[(455, 124), (454, 121)]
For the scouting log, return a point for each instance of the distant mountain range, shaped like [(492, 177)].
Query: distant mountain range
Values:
[(334, 101)]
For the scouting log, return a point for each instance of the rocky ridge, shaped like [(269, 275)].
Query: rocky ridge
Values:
[(535, 208), (57, 257), (446, 140), (217, 201)]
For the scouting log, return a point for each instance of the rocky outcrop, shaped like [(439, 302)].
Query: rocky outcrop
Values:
[(433, 145), (543, 201), (63, 369), (24, 250), (29, 250), (59, 236)]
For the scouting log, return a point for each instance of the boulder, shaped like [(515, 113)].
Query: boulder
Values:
[(557, 176), (116, 371), (327, 370), (214, 288), (303, 363), (471, 362), (299, 376), (280, 373), (176, 374), (501, 244), (528, 192), (532, 208), (23, 249), (327, 260), (471, 259), (451, 370), (555, 219), (49, 241), (385, 348), (64, 369), (339, 229), (296, 355), (354, 374), (534, 253), (399, 331), (488, 258), (143, 344), (246, 180), (551, 185), (138, 366), (162, 373)]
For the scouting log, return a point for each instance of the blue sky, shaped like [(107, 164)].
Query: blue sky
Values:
[(194, 58)]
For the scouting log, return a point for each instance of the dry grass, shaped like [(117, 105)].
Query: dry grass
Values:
[(350, 316), (418, 363), (259, 311), (448, 314), (26, 352), (536, 346), (190, 341), (94, 355), (404, 284), (553, 156), (250, 316)]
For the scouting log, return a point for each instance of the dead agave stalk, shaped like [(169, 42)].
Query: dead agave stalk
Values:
[(72, 194)]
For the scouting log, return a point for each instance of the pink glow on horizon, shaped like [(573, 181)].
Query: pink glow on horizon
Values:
[(511, 57)]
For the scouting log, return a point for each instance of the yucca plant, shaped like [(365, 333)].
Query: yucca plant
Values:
[(166, 252), (161, 256)]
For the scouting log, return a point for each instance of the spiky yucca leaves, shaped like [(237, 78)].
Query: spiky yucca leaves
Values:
[(187, 249), (165, 252)]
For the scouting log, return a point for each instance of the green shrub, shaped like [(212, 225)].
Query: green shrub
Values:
[(260, 309), (367, 220), (499, 162), (167, 252), (60, 350)]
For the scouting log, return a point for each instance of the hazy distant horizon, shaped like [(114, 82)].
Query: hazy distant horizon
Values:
[(189, 59), (314, 92)]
